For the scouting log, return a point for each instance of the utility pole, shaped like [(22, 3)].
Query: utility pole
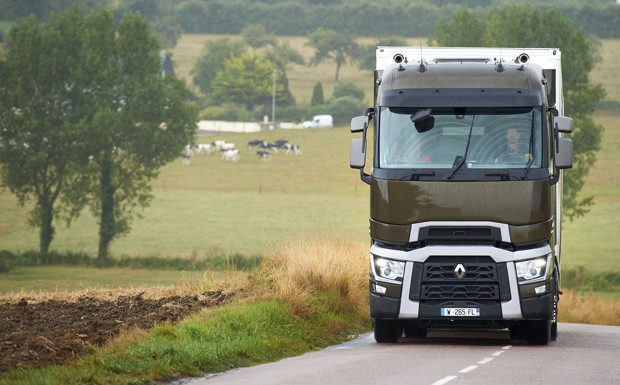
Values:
[(273, 100)]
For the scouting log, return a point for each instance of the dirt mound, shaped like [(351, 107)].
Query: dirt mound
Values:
[(56, 332)]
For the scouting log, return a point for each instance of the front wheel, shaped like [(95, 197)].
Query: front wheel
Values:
[(387, 330), (539, 332)]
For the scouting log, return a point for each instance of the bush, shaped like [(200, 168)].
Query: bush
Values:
[(317, 95), (344, 108), (584, 280), (229, 112), (218, 260), (5, 259), (609, 105), (212, 113), (348, 89)]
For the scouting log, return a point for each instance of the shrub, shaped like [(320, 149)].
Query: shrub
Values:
[(609, 105), (317, 95), (5, 261), (348, 89), (344, 108)]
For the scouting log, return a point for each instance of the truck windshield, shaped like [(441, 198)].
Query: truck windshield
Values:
[(484, 137)]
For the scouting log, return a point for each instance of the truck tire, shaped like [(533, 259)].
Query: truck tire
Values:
[(556, 299), (387, 331), (539, 332)]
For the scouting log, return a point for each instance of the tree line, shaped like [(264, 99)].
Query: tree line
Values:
[(299, 18)]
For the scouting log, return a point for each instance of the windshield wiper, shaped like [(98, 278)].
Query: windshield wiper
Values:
[(417, 174), (531, 151), (527, 168), (504, 175), (460, 160)]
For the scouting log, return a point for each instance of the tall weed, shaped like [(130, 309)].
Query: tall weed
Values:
[(321, 270), (588, 309)]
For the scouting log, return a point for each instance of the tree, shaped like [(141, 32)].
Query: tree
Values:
[(133, 121), (38, 116), (463, 29), (521, 25), (525, 25), (256, 36), (317, 95), (246, 80), (214, 54), (330, 44), (367, 57), (282, 55)]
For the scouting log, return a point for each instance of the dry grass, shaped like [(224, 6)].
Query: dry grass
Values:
[(308, 269), (588, 309), (211, 281)]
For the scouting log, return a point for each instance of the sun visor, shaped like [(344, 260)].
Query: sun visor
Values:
[(461, 97)]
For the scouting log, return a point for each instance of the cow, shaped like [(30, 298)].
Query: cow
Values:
[(264, 155), (231, 155), (185, 159), (292, 147)]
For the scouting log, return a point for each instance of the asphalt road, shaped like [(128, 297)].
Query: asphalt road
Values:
[(583, 354)]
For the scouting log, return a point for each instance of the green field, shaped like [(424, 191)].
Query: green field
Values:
[(252, 205), (246, 206)]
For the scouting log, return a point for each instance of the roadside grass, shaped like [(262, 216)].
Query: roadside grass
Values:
[(596, 309), (306, 297)]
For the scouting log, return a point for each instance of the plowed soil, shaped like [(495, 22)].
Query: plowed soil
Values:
[(56, 332)]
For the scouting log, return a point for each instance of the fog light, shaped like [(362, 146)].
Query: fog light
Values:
[(540, 289), (380, 289)]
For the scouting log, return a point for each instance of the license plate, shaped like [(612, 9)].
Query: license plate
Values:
[(460, 312)]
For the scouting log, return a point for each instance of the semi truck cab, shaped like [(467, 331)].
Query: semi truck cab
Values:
[(465, 190)]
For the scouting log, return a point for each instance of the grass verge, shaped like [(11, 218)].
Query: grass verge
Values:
[(305, 297)]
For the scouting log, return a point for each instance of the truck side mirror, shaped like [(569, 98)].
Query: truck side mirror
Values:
[(359, 123), (357, 158), (563, 124), (564, 156)]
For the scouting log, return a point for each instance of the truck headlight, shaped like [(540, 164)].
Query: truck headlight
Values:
[(532, 269), (388, 268)]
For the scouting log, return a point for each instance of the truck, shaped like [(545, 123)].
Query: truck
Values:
[(465, 190), (319, 121)]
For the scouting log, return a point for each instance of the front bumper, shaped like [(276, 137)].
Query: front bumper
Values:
[(493, 289)]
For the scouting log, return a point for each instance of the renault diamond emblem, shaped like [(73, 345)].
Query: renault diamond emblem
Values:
[(459, 271)]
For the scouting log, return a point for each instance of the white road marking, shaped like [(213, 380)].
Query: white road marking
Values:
[(468, 369), (444, 380), (486, 360)]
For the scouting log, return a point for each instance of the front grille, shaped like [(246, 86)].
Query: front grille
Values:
[(480, 281), (433, 292), (474, 272)]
